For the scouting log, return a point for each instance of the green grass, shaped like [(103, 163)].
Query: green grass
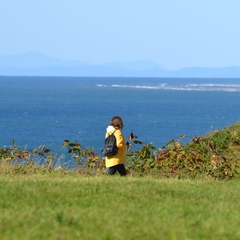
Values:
[(176, 197), (102, 207)]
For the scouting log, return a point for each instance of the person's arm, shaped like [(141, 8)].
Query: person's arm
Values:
[(120, 140)]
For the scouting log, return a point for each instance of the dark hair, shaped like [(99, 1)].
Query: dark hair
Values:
[(117, 122)]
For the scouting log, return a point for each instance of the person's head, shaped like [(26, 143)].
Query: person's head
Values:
[(117, 122)]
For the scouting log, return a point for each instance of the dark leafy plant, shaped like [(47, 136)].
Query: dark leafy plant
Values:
[(23, 160), (84, 158), (215, 156)]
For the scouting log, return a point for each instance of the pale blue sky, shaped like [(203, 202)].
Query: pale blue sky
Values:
[(172, 33)]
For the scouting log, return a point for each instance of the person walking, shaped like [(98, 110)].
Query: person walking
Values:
[(116, 162)]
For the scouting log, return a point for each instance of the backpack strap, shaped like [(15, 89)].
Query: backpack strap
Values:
[(113, 132)]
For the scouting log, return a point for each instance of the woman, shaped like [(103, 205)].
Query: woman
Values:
[(116, 163)]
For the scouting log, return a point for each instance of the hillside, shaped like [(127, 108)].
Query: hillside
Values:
[(36, 64), (215, 156)]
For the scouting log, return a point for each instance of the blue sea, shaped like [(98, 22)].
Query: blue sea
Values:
[(38, 111)]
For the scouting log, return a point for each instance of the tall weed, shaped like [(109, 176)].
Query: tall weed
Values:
[(214, 156)]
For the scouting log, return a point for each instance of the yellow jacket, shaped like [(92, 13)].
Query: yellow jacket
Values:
[(120, 157)]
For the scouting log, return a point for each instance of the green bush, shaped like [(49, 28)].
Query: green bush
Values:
[(215, 156)]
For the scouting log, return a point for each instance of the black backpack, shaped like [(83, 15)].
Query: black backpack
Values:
[(110, 146)]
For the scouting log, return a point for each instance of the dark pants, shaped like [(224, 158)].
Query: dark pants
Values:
[(117, 168)]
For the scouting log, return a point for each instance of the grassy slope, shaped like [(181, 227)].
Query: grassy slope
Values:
[(103, 207), (66, 205), (215, 156)]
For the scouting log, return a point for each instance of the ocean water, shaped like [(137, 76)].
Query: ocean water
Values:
[(46, 110)]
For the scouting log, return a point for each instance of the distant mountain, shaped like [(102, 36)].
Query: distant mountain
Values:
[(35, 64), (134, 65), (224, 72), (35, 60)]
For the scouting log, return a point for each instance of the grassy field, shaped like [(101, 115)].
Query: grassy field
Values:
[(103, 207)]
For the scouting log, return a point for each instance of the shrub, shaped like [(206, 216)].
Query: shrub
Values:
[(215, 156)]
